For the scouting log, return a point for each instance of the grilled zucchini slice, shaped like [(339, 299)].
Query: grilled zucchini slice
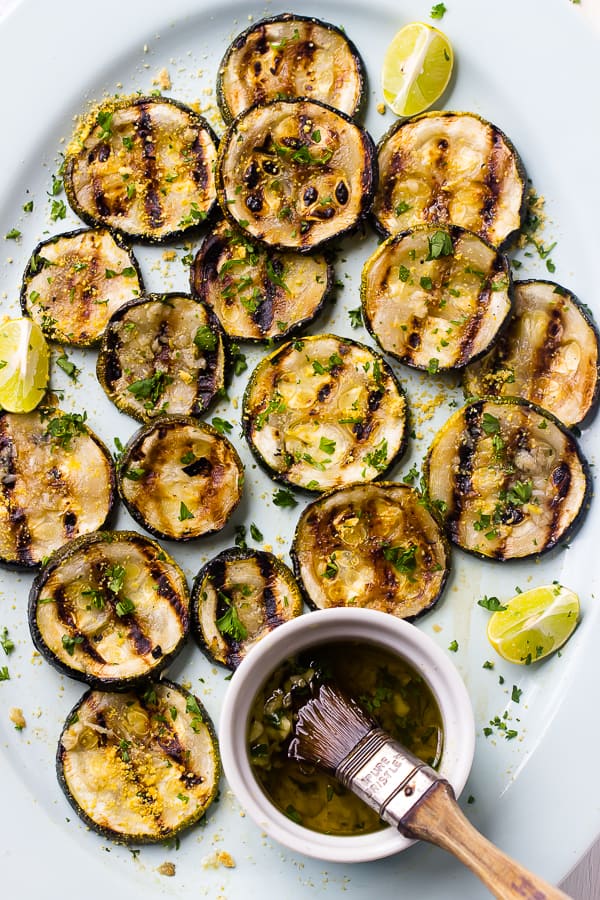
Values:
[(143, 166), (74, 282), (238, 598), (141, 766), (109, 609), (162, 353), (295, 173), (436, 298), (258, 294), (549, 354), (324, 411), (57, 482), (450, 167), (371, 545), (509, 479), (180, 479), (290, 56)]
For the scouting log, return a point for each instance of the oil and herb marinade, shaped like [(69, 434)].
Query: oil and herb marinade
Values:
[(385, 685)]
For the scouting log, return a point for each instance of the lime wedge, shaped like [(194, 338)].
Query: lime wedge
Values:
[(534, 623), (23, 365), (416, 68)]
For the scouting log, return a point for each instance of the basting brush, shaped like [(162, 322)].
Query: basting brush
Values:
[(333, 732)]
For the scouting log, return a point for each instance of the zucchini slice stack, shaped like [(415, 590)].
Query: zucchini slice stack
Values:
[(57, 482), (74, 282), (290, 56), (436, 298), (162, 353), (324, 411), (508, 478), (139, 767), (256, 293), (180, 479), (371, 545), (237, 599), (549, 354), (142, 166), (110, 609)]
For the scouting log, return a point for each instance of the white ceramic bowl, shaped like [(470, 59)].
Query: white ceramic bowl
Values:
[(323, 627)]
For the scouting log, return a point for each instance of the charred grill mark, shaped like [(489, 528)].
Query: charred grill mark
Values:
[(65, 615), (467, 338), (324, 392), (152, 203), (269, 576), (113, 370), (205, 270), (140, 641), (387, 185), (99, 199), (200, 170), (545, 352), (493, 181), (166, 590), (463, 483), (201, 466), (70, 523), (16, 515)]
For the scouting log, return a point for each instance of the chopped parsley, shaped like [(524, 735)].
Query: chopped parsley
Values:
[(255, 532), (221, 425), (284, 498), (230, 623), (205, 338), (355, 316), (150, 389), (5, 642), (69, 642), (62, 429), (440, 244), (184, 512), (491, 603), (438, 10), (69, 367), (124, 607)]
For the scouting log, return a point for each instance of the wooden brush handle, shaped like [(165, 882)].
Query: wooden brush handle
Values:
[(438, 819)]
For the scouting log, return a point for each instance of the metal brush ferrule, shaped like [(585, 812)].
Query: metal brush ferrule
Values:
[(386, 776)]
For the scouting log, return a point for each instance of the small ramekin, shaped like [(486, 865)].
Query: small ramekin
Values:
[(325, 627)]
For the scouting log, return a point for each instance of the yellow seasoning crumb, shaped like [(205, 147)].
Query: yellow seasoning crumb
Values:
[(437, 628), (16, 716), (221, 858), (381, 109), (185, 376), (163, 80), (166, 868), (169, 255)]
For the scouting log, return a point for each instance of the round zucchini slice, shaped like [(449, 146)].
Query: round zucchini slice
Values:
[(324, 411), (549, 354), (141, 766), (450, 167), (238, 598), (258, 294), (162, 353), (180, 479), (436, 298), (109, 609), (508, 478), (143, 166), (290, 56), (295, 173), (371, 545), (74, 282), (57, 482)]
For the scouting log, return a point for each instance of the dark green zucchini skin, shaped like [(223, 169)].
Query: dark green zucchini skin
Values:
[(156, 555), (262, 27), (153, 231), (272, 572), (563, 479), (165, 834)]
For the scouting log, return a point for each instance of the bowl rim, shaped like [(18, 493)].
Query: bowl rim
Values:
[(329, 626)]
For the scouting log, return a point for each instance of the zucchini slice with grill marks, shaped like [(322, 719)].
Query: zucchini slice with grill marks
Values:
[(237, 599), (57, 482), (143, 166), (295, 173), (371, 545), (450, 167), (180, 479), (162, 353), (291, 56), (141, 766), (109, 609), (549, 354), (258, 294), (74, 282), (436, 298), (324, 411), (509, 479)]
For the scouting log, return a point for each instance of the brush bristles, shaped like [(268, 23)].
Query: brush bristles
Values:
[(328, 727)]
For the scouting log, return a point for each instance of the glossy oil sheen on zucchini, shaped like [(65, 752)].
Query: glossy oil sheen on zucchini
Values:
[(162, 353), (74, 283), (57, 482), (324, 411), (295, 173), (109, 609), (140, 766), (238, 598), (290, 56), (549, 354), (508, 478), (371, 545), (180, 479), (450, 167), (256, 293), (436, 298), (143, 166)]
